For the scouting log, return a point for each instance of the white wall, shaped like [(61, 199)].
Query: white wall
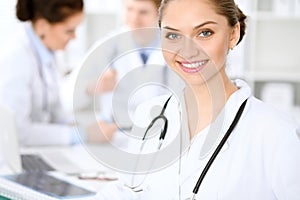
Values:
[(8, 22)]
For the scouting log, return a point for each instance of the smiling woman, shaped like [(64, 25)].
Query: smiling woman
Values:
[(212, 30), (238, 147), (196, 44)]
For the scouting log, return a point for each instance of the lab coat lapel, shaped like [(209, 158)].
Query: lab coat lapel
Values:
[(192, 166), (195, 159), (215, 133), (188, 165)]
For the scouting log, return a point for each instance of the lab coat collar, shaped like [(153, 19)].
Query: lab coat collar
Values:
[(219, 127), (45, 55), (205, 142)]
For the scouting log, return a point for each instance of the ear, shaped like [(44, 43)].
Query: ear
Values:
[(235, 36), (41, 27)]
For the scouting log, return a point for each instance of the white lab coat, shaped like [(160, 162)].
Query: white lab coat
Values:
[(22, 89), (260, 160)]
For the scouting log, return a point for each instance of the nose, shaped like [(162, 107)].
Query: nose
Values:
[(189, 49), (135, 16)]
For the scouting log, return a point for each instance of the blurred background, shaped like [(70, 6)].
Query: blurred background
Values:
[(268, 58)]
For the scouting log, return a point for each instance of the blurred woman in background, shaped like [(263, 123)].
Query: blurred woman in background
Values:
[(29, 82)]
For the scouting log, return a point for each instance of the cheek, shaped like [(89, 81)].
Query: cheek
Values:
[(170, 50), (62, 36), (169, 57), (59, 40), (127, 17), (217, 52)]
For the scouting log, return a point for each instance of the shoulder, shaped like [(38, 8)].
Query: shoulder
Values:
[(18, 57), (17, 48), (268, 127), (277, 136), (268, 116), (275, 139)]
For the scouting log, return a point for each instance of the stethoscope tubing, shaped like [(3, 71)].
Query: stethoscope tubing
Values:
[(218, 149)]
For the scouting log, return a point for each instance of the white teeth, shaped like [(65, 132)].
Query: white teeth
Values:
[(193, 65)]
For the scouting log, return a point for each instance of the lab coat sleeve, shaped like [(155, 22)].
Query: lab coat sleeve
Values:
[(15, 92), (37, 134), (61, 115), (286, 168)]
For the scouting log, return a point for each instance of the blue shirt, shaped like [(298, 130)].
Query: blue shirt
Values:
[(44, 55)]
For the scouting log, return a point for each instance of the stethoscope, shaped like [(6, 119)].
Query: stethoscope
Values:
[(163, 132), (165, 128), (215, 153)]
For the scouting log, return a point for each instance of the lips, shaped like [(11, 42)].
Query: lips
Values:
[(192, 67)]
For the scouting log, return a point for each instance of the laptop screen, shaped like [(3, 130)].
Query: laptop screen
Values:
[(49, 185)]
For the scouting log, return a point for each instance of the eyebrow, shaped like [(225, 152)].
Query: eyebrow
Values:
[(196, 27)]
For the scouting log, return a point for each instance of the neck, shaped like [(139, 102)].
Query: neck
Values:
[(204, 102)]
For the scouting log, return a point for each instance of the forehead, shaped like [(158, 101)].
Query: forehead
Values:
[(142, 4), (182, 13)]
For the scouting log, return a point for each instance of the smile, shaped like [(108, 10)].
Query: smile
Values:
[(192, 67)]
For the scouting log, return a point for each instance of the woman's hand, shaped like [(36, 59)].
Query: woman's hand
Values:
[(106, 83), (101, 132)]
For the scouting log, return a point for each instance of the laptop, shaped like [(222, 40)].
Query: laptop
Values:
[(17, 162), (32, 184), (10, 147)]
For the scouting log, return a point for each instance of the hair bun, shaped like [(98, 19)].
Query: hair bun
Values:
[(242, 20), (24, 10)]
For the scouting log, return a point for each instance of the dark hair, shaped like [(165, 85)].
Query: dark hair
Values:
[(227, 8), (53, 11), (157, 3)]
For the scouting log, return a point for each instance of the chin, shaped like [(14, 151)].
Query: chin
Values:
[(193, 81), (190, 79)]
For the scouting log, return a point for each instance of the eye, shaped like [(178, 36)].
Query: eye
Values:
[(172, 36), (205, 33)]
